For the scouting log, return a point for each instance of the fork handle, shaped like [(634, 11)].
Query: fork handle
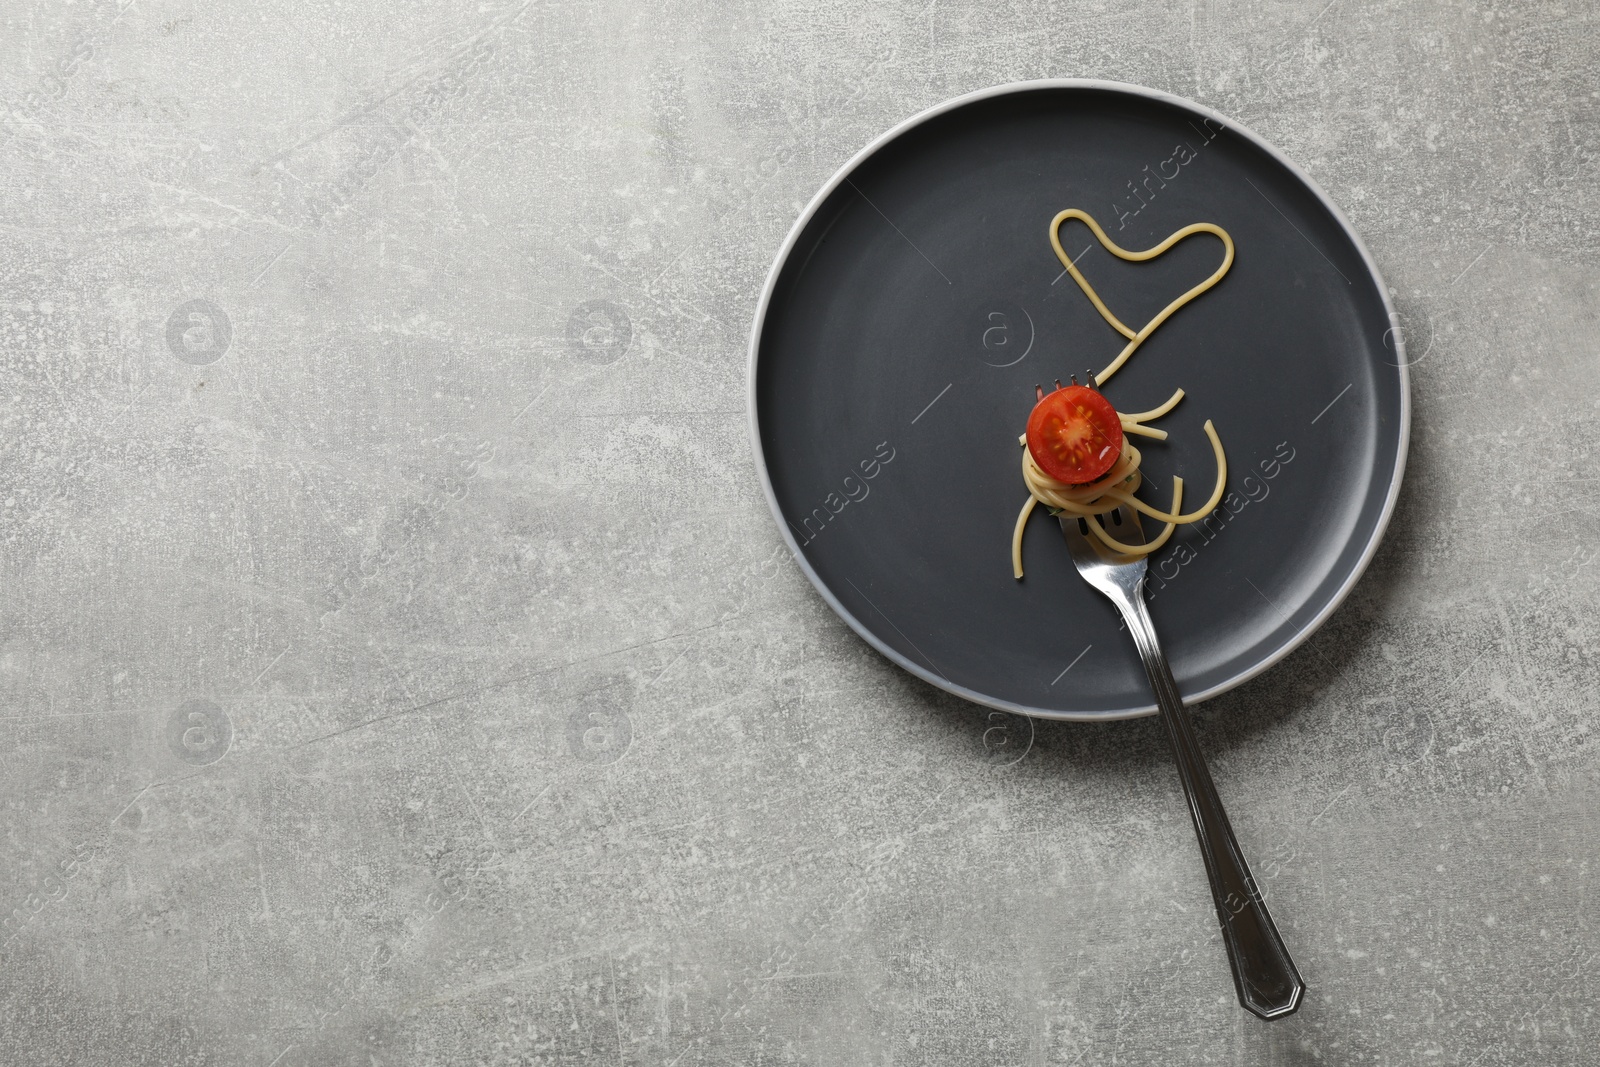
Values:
[(1269, 986)]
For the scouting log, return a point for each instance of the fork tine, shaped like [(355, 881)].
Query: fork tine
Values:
[(1088, 549)]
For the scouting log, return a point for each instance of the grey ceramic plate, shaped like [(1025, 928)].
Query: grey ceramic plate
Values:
[(917, 301)]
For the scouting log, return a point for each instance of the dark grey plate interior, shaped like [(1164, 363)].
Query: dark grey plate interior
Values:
[(917, 302)]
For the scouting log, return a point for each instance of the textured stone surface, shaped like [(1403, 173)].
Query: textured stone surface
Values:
[(365, 700)]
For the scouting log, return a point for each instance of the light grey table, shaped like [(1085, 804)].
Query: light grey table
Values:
[(400, 666)]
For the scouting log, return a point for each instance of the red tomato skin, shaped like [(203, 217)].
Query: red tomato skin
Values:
[(1074, 434)]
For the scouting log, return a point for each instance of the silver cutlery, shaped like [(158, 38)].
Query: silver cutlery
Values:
[(1268, 984)]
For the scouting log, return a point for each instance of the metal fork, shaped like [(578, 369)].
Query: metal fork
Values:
[(1268, 983)]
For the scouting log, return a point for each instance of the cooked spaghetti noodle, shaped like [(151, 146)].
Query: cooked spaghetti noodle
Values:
[(1119, 484), (1135, 337)]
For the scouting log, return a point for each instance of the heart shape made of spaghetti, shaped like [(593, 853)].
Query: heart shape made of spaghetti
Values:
[(1135, 337)]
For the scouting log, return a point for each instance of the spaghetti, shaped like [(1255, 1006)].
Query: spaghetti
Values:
[(1117, 486)]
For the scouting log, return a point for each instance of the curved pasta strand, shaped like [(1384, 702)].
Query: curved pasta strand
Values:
[(1016, 536), (1077, 276), (1135, 338), (1149, 546), (1154, 413), (1143, 431), (1194, 516)]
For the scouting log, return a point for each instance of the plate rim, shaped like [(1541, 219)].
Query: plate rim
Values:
[(781, 260)]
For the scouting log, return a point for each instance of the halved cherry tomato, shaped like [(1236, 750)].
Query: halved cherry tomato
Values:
[(1074, 434)]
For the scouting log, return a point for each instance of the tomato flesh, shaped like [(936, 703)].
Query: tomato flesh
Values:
[(1075, 434)]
